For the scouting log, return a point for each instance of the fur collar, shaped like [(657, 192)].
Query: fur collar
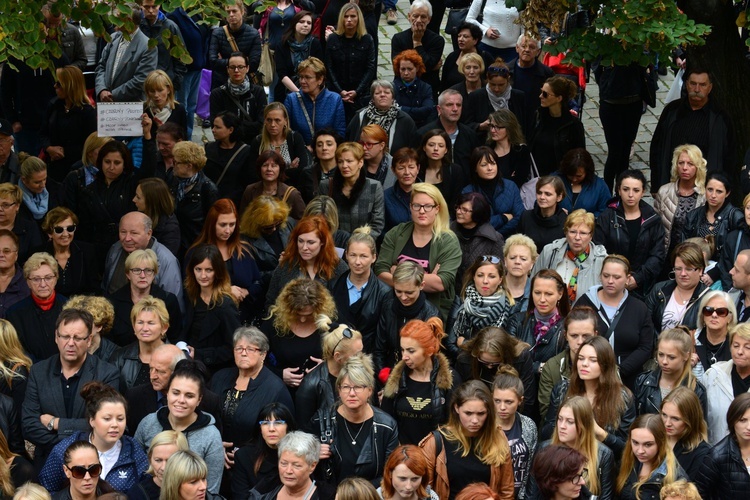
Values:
[(441, 375)]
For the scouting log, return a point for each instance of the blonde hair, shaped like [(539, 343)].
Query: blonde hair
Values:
[(696, 157), (298, 294), (680, 488), (442, 219), (334, 341), (523, 241), (261, 212), (164, 438), (708, 297), (11, 191), (586, 442), (190, 152), (361, 29), (473, 57), (146, 256), (362, 235), (38, 260), (154, 305), (359, 370), (72, 82), (265, 138), (578, 217), (100, 309), (93, 141), (32, 491), (742, 330), (183, 466), (684, 342), (11, 353), (159, 80)]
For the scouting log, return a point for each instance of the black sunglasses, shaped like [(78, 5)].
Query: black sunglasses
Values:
[(60, 229), (79, 471), (495, 71), (546, 94), (347, 334), (721, 312)]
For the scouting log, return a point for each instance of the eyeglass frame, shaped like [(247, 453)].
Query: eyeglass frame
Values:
[(37, 280), (420, 207), (346, 334), (576, 480), (137, 271), (248, 350), (61, 229), (75, 471), (68, 338), (721, 312), (498, 71)]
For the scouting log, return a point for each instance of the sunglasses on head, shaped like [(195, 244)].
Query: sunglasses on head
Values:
[(60, 229), (721, 312), (346, 334), (496, 71), (79, 471), (491, 259)]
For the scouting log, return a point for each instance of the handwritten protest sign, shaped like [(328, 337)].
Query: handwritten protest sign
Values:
[(117, 119)]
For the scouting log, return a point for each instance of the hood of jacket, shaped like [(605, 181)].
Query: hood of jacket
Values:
[(441, 376), (203, 420), (593, 295)]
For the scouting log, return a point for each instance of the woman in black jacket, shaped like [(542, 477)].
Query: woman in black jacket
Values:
[(507, 140), (631, 227), (74, 258), (150, 321), (297, 44), (724, 474), (152, 197), (735, 242), (544, 223), (423, 373), (685, 422), (717, 218), (673, 370), (351, 60), (194, 193), (410, 303), (317, 391), (212, 316), (374, 296), (475, 234), (622, 318), (541, 325), (556, 131), (228, 159), (160, 103), (246, 387)]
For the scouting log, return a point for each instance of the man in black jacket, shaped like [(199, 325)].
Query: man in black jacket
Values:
[(53, 408), (153, 25), (463, 137), (529, 73), (147, 398)]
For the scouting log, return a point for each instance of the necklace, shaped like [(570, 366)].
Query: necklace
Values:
[(713, 353), (354, 439), (679, 296)]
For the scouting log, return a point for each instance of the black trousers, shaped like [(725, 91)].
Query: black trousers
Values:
[(620, 123)]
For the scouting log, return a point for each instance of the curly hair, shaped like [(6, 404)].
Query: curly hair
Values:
[(264, 211), (101, 310), (296, 295), (413, 57), (191, 153)]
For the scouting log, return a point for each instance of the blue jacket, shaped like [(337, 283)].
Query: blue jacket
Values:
[(195, 35), (396, 207), (416, 100), (593, 197), (506, 200), (130, 465), (326, 111)]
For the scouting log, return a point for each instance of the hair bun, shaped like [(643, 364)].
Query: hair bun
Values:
[(366, 229), (324, 323), (436, 324)]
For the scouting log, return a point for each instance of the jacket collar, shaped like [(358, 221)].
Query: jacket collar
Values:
[(441, 376)]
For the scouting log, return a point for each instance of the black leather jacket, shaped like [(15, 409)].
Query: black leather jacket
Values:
[(657, 300), (552, 343), (723, 475), (351, 64), (380, 442), (648, 395), (128, 363), (727, 219), (315, 392), (191, 211)]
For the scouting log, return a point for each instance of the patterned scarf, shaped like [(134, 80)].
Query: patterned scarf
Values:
[(577, 260), (238, 90), (385, 118), (499, 101), (544, 323), (478, 312), (300, 50), (183, 184)]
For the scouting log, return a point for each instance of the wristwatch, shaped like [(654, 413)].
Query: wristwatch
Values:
[(51, 424)]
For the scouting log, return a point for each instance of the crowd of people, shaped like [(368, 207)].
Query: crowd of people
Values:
[(362, 288)]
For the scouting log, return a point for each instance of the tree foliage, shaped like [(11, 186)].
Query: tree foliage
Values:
[(622, 32)]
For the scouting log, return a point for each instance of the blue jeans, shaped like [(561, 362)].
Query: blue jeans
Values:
[(188, 96), (389, 5)]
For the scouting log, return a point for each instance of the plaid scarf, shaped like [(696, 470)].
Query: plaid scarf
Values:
[(577, 260)]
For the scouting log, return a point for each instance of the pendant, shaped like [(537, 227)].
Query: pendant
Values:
[(354, 443), (713, 359)]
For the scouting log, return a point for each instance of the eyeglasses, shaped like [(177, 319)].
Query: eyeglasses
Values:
[(495, 71), (582, 234), (68, 338), (369, 145), (496, 127), (7, 251), (491, 259), (576, 480), (271, 228), (249, 350), (488, 364), (138, 271), (6, 206), (271, 423), (347, 334), (237, 68), (679, 270), (462, 210), (61, 229), (721, 312), (418, 208), (79, 471), (38, 279), (346, 389), (546, 94)]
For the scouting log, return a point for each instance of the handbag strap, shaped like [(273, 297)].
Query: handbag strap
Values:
[(230, 38), (534, 168), (238, 104), (287, 193), (226, 167), (304, 110), (480, 17)]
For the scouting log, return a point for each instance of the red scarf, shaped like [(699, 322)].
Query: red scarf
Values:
[(45, 304)]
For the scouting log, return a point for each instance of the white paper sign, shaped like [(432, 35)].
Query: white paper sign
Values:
[(117, 119)]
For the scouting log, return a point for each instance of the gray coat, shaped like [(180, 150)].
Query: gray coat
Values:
[(126, 84), (369, 208), (554, 253)]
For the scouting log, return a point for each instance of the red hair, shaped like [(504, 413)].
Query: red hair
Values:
[(413, 57), (413, 458), (327, 259), (224, 206), (477, 491), (427, 333)]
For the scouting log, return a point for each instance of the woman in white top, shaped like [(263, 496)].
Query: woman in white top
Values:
[(498, 23)]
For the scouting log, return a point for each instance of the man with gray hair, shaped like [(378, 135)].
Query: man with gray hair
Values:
[(463, 137), (529, 74), (135, 232), (147, 398)]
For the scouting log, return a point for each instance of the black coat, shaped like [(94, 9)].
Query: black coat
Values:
[(244, 477), (213, 344), (648, 395), (431, 52), (521, 325), (191, 211), (167, 232), (128, 363), (543, 230), (735, 242), (651, 487), (248, 41), (10, 425), (79, 275), (364, 314), (692, 461), (253, 102), (29, 237), (657, 300), (315, 392), (569, 135), (387, 342), (467, 140), (235, 175), (723, 474), (484, 241), (612, 232), (142, 400), (285, 66), (634, 335), (122, 328), (351, 65), (35, 327), (477, 108), (68, 129), (264, 389), (727, 219)]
